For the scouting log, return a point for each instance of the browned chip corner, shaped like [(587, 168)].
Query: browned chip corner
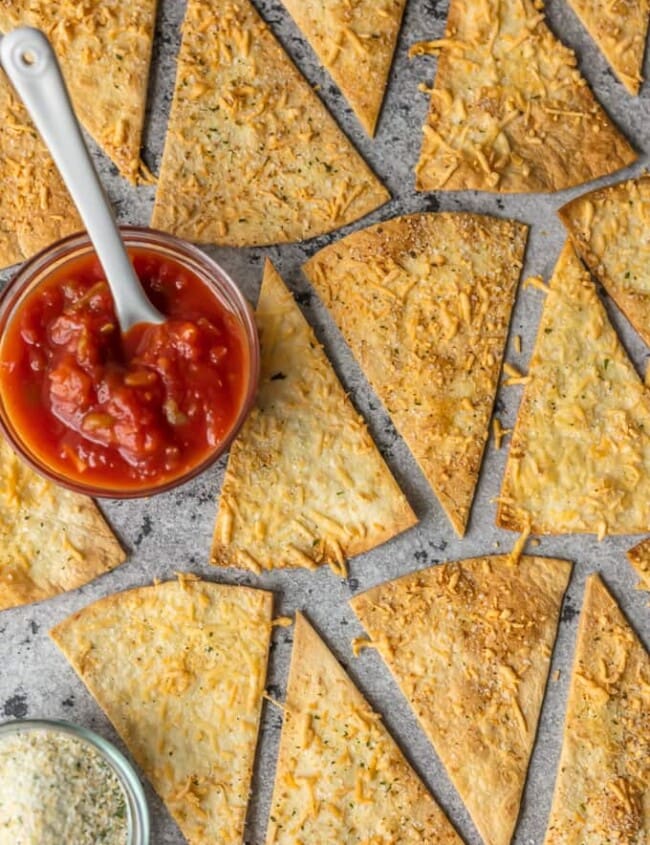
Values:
[(639, 557)]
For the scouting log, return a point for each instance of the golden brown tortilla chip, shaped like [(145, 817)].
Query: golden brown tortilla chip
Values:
[(252, 156), (510, 111), (35, 208), (305, 484), (610, 230), (579, 457), (355, 40), (424, 301), (51, 540), (639, 557), (179, 669), (104, 47), (340, 776), (601, 795), (470, 643), (620, 29)]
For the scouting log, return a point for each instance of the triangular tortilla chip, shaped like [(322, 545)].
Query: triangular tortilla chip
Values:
[(470, 644), (179, 669), (620, 29), (332, 494), (340, 776), (601, 795), (104, 47), (355, 42), (35, 208), (639, 557), (51, 540), (579, 458), (252, 156), (609, 229), (424, 301), (510, 111)]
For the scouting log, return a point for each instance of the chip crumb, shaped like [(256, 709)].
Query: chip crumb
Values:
[(499, 432), (556, 675), (282, 622), (516, 342), (535, 282), (361, 643)]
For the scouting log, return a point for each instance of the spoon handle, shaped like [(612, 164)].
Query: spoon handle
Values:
[(31, 64)]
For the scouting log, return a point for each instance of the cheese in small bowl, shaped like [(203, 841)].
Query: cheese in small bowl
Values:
[(61, 783)]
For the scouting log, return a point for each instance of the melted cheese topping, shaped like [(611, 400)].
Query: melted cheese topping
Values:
[(424, 302), (104, 47), (610, 229), (179, 669), (580, 454), (252, 156), (601, 795), (354, 40), (51, 540), (333, 495), (35, 208), (620, 28), (510, 111), (469, 643), (340, 776)]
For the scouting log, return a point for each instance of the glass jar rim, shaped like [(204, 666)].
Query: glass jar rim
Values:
[(35, 270), (139, 825)]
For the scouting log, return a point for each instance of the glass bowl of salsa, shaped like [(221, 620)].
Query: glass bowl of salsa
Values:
[(127, 415), (60, 782)]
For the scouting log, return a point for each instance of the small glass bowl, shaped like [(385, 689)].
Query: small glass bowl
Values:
[(136, 803), (76, 246)]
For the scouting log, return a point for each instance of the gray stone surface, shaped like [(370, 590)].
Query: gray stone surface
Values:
[(172, 531)]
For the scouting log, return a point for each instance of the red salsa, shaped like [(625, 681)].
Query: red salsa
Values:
[(123, 412)]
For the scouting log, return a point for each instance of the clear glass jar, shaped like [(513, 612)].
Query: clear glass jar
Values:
[(136, 803), (51, 260)]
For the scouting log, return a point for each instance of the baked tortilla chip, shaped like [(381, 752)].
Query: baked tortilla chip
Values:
[(51, 540), (340, 776), (610, 230), (355, 40), (510, 111), (620, 29), (305, 484), (579, 457), (35, 207), (601, 795), (104, 47), (424, 301), (179, 669), (470, 643), (639, 557), (252, 156)]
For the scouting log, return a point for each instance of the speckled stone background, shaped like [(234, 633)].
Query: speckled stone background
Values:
[(172, 532)]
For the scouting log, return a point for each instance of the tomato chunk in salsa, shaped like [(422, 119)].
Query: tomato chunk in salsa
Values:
[(123, 411)]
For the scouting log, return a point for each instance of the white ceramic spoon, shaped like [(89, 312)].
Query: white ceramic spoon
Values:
[(30, 63)]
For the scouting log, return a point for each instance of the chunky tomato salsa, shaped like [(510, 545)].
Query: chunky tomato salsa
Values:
[(123, 412)]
